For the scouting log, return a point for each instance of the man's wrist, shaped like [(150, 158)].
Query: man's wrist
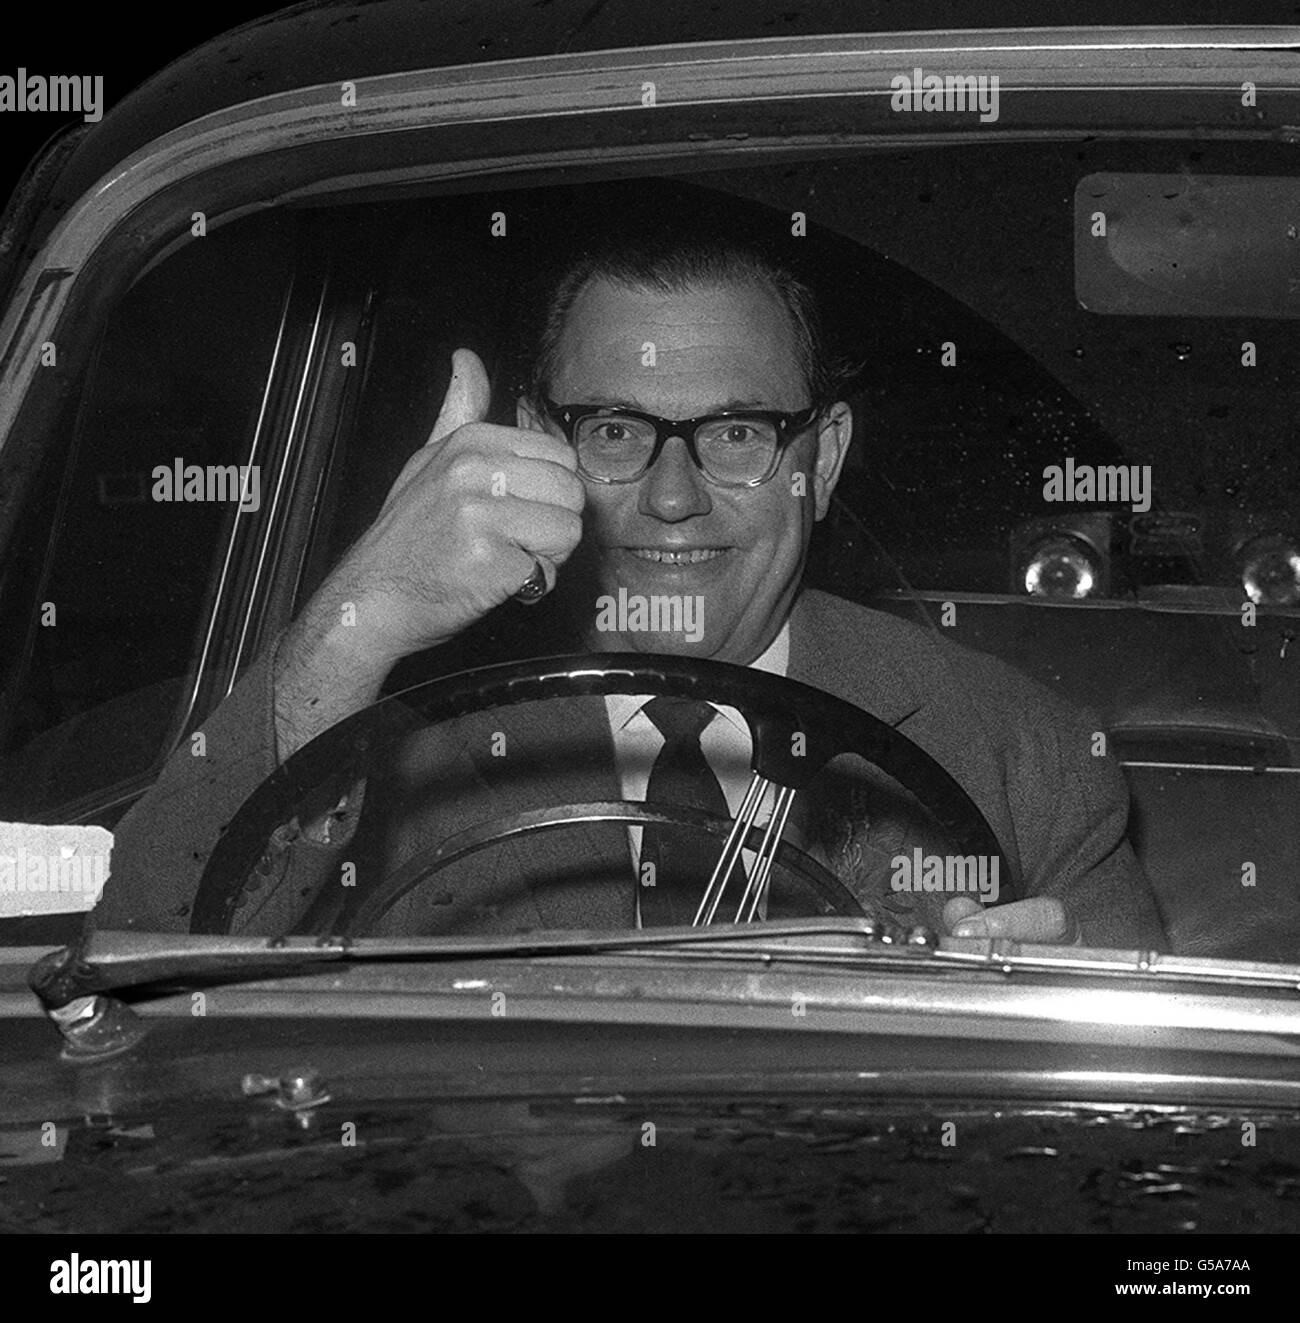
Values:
[(323, 672)]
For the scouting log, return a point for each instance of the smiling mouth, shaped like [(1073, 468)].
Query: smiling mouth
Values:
[(685, 556)]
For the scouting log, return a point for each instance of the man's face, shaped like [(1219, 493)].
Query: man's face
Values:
[(737, 552)]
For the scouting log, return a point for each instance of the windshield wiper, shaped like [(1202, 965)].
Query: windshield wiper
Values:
[(85, 989), (119, 962)]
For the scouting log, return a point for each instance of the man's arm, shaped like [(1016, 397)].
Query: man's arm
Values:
[(1070, 807), (469, 516), (163, 844)]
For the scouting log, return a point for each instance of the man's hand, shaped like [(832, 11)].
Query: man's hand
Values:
[(458, 535), (1039, 919), (463, 524)]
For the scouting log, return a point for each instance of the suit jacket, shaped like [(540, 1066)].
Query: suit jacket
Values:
[(1058, 811)]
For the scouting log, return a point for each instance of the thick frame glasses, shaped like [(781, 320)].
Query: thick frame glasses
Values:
[(725, 459)]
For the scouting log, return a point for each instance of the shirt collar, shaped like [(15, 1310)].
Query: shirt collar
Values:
[(622, 708)]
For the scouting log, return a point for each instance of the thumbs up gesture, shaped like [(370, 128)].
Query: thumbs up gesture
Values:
[(471, 515)]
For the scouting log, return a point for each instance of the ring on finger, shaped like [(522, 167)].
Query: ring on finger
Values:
[(533, 588)]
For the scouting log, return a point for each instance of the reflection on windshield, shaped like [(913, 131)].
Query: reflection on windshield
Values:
[(1051, 551)]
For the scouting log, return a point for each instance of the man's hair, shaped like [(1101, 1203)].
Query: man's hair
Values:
[(671, 264)]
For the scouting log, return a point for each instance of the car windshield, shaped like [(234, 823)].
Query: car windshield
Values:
[(994, 443)]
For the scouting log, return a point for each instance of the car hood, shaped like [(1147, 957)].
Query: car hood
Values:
[(701, 1164), (274, 1124)]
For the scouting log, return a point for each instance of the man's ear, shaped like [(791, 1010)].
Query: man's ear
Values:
[(834, 432), (527, 416)]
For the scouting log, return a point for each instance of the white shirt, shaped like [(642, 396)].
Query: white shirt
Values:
[(724, 741)]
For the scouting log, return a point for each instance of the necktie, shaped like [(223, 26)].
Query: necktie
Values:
[(683, 858)]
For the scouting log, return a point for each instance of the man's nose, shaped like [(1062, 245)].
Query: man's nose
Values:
[(674, 489)]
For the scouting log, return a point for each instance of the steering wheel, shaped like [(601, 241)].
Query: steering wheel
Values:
[(795, 730)]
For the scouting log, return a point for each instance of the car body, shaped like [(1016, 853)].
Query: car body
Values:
[(182, 284)]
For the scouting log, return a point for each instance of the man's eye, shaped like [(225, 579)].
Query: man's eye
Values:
[(739, 434), (613, 430)]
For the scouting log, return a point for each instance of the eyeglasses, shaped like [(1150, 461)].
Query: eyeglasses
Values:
[(737, 449)]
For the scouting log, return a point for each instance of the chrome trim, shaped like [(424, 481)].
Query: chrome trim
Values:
[(704, 73), (976, 1019), (1228, 605), (258, 445), (814, 941), (288, 452), (880, 1004), (1254, 769)]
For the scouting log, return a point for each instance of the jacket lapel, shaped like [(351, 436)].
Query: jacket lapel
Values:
[(854, 820), (828, 654)]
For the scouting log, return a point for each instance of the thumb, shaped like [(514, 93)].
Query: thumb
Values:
[(959, 908), (468, 398)]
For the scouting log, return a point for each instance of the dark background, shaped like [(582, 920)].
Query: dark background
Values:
[(100, 39)]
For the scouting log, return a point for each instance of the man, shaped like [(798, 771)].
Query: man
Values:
[(598, 491)]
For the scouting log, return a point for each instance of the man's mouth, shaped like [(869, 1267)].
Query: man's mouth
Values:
[(679, 556)]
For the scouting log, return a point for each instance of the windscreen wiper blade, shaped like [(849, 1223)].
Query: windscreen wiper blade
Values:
[(85, 989), (118, 962)]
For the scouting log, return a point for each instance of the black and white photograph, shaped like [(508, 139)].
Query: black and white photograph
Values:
[(630, 618)]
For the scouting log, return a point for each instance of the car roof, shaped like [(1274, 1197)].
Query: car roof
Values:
[(325, 43), (332, 41)]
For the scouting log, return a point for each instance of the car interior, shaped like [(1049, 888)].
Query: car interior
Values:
[(953, 278)]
